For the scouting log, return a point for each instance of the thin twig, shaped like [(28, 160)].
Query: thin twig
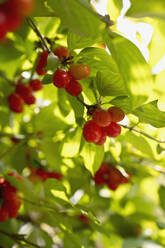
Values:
[(36, 30), (83, 103), (143, 133), (18, 238)]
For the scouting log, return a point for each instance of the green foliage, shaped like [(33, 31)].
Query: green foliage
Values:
[(48, 135), (147, 8)]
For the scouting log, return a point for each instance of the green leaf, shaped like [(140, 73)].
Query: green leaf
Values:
[(63, 102), (10, 58), (41, 9), (139, 242), (133, 68), (71, 143), (52, 62), (72, 240), (48, 79), (76, 41), (149, 113), (93, 156), (122, 102), (109, 81), (149, 8), (78, 16), (57, 189), (52, 152), (78, 109), (140, 143), (159, 149), (160, 224), (50, 123), (158, 36), (114, 8), (159, 88), (162, 197)]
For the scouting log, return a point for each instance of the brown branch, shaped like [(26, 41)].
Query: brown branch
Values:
[(143, 133), (36, 30)]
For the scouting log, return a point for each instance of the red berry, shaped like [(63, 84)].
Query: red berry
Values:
[(16, 102), (13, 22), (79, 71), (101, 140), (30, 100), (14, 140), (24, 7), (23, 90), (13, 207), (84, 219), (126, 179), (3, 24), (8, 192), (115, 178), (36, 84), (116, 113), (61, 79), (102, 175), (42, 62), (61, 52), (56, 175), (42, 174), (3, 213), (74, 88), (92, 132), (102, 117), (113, 130)]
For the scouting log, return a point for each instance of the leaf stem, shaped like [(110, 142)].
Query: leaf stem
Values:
[(36, 30), (143, 133)]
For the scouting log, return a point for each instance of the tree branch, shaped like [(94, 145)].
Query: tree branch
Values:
[(18, 238), (36, 30), (143, 133)]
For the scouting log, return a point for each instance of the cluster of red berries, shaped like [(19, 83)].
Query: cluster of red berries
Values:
[(108, 174), (40, 173), (24, 95), (62, 78), (103, 123), (10, 201), (12, 13)]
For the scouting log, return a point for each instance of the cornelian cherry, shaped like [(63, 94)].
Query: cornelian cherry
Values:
[(116, 113), (92, 132), (84, 219), (79, 71), (16, 103), (102, 174), (42, 62), (3, 214), (3, 24), (36, 84), (61, 78), (101, 140), (115, 178), (23, 90), (113, 130), (61, 52), (74, 88), (30, 100), (102, 117), (24, 7)]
